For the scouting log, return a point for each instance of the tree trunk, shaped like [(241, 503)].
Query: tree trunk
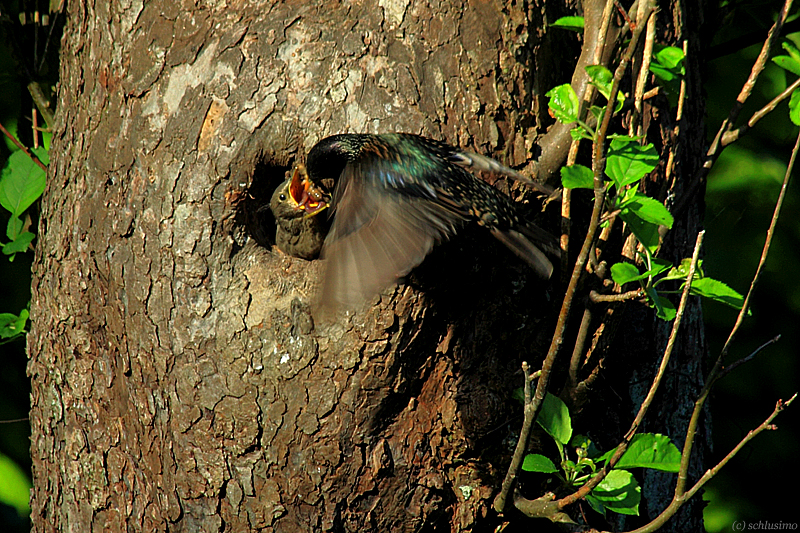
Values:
[(179, 379)]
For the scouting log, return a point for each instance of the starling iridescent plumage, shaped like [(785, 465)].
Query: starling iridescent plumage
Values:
[(294, 204), (396, 196)]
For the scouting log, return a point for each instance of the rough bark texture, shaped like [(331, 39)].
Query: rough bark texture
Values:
[(179, 380)]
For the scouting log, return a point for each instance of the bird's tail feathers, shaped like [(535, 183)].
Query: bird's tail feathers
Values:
[(524, 248)]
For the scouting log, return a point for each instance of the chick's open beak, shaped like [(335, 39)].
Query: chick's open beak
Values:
[(307, 196)]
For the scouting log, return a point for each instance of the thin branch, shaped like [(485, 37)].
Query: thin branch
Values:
[(596, 297), (556, 138), (42, 103), (641, 80), (728, 369), (767, 424), (765, 251), (14, 420), (580, 342), (651, 93), (610, 215), (572, 155), (620, 450), (733, 135)]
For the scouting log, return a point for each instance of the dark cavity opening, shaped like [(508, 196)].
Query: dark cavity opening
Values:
[(254, 210)]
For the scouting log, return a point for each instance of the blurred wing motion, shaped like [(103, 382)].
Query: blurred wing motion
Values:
[(379, 234)]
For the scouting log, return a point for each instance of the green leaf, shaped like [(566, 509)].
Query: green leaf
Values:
[(43, 155), (578, 133), (663, 74), (12, 325), (646, 232), (649, 210), (603, 79), (15, 486), (628, 162), (658, 266), (787, 63), (650, 450), (569, 23), (667, 63), (717, 291), (14, 227), (563, 103), (623, 273), (554, 419), (669, 56), (626, 195), (682, 270), (597, 111), (792, 49), (619, 492), (595, 504), (665, 310), (21, 183), (534, 462), (577, 177), (794, 107), (20, 244)]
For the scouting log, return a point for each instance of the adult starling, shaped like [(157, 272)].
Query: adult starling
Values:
[(396, 196), (294, 204)]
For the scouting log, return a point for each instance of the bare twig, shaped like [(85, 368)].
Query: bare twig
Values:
[(42, 102), (732, 136), (596, 297), (730, 368), (580, 342), (641, 80), (765, 251), (14, 420)]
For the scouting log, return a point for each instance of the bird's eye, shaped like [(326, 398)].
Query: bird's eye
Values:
[(282, 197)]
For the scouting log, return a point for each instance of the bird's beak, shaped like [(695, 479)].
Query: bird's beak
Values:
[(307, 196)]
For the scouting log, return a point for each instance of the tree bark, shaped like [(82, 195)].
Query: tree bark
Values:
[(179, 379)]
